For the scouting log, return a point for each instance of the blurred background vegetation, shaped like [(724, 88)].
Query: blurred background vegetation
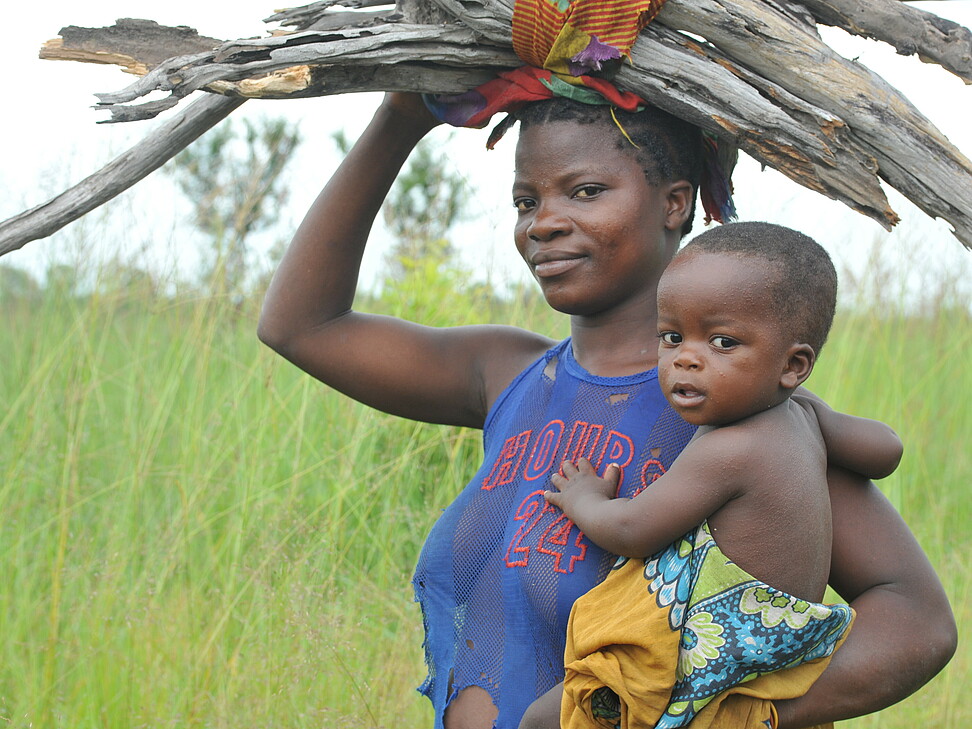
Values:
[(195, 534)]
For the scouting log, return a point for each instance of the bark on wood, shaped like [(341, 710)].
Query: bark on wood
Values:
[(910, 30), (808, 144), (163, 144), (136, 45), (761, 78), (912, 155)]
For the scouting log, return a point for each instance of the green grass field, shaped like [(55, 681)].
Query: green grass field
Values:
[(194, 534)]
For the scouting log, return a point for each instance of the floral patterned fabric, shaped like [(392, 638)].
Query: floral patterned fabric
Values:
[(687, 638)]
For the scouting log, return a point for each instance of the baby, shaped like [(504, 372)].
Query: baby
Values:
[(738, 531)]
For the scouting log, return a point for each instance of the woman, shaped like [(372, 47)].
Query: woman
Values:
[(598, 220)]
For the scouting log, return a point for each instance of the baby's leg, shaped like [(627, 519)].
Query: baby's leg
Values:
[(544, 713)]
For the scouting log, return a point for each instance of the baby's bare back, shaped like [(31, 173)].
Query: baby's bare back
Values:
[(778, 527)]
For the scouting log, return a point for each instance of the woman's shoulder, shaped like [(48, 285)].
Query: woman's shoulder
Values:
[(507, 353)]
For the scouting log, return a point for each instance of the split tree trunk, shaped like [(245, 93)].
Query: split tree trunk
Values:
[(755, 72)]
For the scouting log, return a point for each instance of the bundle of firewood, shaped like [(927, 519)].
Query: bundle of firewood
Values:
[(753, 72)]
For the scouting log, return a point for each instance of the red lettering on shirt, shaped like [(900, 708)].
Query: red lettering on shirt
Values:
[(619, 449), (543, 528), (583, 441), (516, 554), (651, 471), (556, 542), (508, 462), (544, 450)]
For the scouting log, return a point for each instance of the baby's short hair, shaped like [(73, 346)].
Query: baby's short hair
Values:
[(805, 291), (667, 147)]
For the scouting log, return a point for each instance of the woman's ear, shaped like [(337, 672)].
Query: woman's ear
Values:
[(678, 204), (799, 364)]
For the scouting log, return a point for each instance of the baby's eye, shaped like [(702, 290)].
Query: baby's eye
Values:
[(522, 204), (670, 337), (722, 342), (588, 191)]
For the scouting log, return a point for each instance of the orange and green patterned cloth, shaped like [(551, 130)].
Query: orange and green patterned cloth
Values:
[(572, 49), (563, 42), (687, 638)]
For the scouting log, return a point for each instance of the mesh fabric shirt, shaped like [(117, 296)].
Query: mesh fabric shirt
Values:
[(501, 568)]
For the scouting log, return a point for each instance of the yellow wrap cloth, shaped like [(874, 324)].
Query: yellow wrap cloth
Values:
[(688, 639)]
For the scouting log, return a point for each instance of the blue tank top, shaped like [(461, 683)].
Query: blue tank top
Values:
[(500, 568)]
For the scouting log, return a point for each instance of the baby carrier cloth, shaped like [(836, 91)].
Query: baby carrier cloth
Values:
[(687, 638)]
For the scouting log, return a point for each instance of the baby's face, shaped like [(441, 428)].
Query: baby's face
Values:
[(721, 351)]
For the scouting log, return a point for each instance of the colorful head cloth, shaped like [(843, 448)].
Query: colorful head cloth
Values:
[(564, 43)]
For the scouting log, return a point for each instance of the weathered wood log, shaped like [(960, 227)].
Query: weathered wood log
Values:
[(171, 138), (910, 30), (760, 77), (135, 45), (913, 156), (775, 127), (808, 144), (317, 15), (381, 46), (95, 190)]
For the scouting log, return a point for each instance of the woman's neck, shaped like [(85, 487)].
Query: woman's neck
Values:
[(616, 344)]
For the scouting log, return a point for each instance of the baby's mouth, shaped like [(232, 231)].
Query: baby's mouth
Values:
[(686, 395)]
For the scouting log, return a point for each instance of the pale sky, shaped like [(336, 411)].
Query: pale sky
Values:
[(52, 141)]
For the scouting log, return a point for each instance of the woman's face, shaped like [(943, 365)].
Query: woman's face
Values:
[(594, 233)]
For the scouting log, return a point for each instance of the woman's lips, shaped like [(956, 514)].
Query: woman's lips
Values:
[(548, 267)]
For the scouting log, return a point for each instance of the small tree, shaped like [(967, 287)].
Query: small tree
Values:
[(234, 181), (17, 285), (428, 198)]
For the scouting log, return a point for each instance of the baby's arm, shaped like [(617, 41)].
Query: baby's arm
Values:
[(700, 481), (867, 447)]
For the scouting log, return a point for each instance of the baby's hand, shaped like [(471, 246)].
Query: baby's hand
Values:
[(580, 486)]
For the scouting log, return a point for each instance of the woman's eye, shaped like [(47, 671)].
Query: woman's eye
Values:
[(670, 337), (720, 342), (522, 204), (588, 191)]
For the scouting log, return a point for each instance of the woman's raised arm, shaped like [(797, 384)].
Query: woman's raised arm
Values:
[(423, 373)]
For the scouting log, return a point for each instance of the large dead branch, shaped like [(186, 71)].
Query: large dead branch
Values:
[(753, 71), (442, 59), (97, 189), (135, 45), (912, 155), (910, 30)]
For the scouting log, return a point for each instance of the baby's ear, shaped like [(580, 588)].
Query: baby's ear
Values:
[(799, 364)]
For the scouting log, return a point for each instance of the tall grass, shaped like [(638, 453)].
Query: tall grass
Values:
[(195, 534)]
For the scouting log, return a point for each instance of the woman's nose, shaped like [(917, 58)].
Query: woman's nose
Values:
[(548, 222)]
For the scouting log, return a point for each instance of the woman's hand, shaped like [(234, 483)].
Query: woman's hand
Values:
[(411, 109), (904, 632)]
